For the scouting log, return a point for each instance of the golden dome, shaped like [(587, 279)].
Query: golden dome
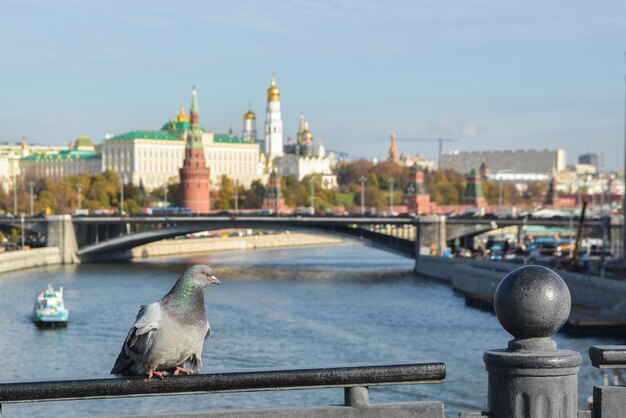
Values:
[(249, 115), (182, 116), (273, 94)]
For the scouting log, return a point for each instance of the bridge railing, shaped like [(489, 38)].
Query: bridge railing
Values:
[(355, 380), (609, 401)]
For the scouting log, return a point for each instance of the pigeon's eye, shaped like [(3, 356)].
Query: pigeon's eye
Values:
[(203, 273)]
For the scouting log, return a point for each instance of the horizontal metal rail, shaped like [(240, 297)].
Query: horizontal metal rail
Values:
[(608, 356), (240, 219), (248, 381)]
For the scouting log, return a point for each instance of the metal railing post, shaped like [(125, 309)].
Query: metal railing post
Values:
[(531, 378), (357, 397)]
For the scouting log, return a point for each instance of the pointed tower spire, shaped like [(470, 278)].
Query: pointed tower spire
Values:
[(194, 174), (393, 150), (195, 110), (301, 126)]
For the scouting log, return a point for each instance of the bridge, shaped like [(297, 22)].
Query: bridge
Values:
[(111, 238)]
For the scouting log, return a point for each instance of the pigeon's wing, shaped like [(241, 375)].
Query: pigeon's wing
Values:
[(139, 339)]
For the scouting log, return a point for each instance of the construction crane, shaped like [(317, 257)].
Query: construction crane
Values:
[(439, 140)]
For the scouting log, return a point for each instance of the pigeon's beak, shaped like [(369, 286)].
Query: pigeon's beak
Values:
[(214, 280)]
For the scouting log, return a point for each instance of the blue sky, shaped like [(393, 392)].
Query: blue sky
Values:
[(493, 74)]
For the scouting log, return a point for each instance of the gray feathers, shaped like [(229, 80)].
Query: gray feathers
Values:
[(169, 333)]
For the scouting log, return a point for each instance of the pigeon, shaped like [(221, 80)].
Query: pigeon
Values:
[(168, 335)]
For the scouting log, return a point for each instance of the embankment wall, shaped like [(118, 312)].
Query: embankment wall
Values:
[(36, 257), (481, 278), (254, 242)]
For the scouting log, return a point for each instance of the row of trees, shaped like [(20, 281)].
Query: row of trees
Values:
[(103, 191), (445, 187)]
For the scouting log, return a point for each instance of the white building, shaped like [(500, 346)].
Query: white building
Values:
[(153, 158), (273, 123), (519, 162), (81, 158), (10, 156), (304, 158), (150, 158)]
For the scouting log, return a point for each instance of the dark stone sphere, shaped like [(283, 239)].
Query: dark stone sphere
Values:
[(532, 302)]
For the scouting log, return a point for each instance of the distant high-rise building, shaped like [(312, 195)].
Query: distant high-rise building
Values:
[(195, 175), (520, 163), (589, 159), (273, 123)]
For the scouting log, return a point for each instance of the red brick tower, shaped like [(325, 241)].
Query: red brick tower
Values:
[(194, 175), (273, 199), (473, 194), (415, 196)]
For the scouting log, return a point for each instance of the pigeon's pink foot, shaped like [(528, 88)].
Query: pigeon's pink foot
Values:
[(157, 373), (180, 370)]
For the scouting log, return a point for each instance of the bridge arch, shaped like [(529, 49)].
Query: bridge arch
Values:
[(118, 247)]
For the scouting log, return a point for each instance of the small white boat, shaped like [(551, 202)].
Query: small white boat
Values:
[(50, 310)]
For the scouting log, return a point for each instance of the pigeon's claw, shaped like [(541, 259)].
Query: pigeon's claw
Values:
[(157, 373), (179, 370)]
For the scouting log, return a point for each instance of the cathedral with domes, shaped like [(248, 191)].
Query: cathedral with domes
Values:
[(304, 158)]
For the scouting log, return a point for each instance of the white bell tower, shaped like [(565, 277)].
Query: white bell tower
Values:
[(273, 123)]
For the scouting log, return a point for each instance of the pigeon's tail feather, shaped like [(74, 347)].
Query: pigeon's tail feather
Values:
[(124, 361), (122, 364), (195, 362)]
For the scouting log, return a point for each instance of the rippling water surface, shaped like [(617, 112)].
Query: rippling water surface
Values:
[(314, 306)]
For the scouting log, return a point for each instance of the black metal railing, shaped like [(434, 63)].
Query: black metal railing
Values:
[(247, 381)]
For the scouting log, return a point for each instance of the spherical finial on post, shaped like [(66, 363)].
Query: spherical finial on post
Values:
[(532, 303), (532, 378)]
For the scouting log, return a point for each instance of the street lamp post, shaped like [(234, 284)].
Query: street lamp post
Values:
[(391, 182), (362, 180), (500, 195), (121, 196), (14, 193), (312, 196), (624, 199), (236, 196), (22, 223), (79, 188), (31, 186), (278, 197)]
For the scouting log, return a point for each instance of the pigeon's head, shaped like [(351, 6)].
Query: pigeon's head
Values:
[(202, 275)]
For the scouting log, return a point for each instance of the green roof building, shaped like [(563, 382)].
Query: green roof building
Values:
[(81, 158), (154, 157)]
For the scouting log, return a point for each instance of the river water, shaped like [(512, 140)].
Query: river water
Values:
[(302, 307)]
